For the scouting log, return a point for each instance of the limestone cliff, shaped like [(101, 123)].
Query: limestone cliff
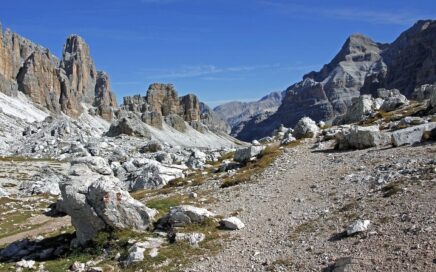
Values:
[(58, 86)]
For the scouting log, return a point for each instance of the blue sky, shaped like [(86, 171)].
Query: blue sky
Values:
[(221, 50)]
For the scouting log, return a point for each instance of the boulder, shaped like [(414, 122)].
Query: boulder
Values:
[(97, 204), (232, 223), (361, 137), (392, 99), (184, 215), (96, 164), (411, 135), (361, 108), (136, 252), (129, 125), (358, 226), (246, 154), (152, 146), (424, 92), (305, 128), (149, 174)]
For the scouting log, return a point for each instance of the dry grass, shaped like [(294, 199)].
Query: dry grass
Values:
[(266, 158)]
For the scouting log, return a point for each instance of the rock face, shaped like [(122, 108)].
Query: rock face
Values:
[(362, 66), (162, 104), (59, 86), (97, 202)]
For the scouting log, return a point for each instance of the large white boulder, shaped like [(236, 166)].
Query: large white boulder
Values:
[(184, 215), (306, 128), (358, 137), (411, 135), (362, 107), (246, 154), (97, 203)]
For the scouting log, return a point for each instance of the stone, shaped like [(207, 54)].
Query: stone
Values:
[(136, 251), (255, 143), (358, 226), (193, 238), (411, 135), (362, 107), (78, 267), (358, 137), (96, 164), (152, 146), (246, 154), (184, 215), (232, 223), (27, 264), (130, 125), (101, 204), (305, 128), (393, 99)]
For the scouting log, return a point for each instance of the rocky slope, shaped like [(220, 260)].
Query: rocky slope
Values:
[(234, 113), (361, 66), (57, 85)]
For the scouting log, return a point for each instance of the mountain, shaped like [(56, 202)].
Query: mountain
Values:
[(60, 86), (361, 66), (235, 113)]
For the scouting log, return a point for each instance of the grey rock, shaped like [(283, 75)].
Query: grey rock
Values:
[(193, 238), (411, 135), (97, 204), (361, 137), (232, 223), (358, 226), (246, 154), (184, 215), (305, 128)]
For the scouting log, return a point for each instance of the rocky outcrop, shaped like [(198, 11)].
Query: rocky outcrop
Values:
[(162, 104), (362, 66), (408, 62), (59, 86), (105, 100)]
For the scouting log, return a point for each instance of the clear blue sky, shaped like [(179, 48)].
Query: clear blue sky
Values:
[(220, 50)]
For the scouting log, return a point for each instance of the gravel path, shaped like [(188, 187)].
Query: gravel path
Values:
[(296, 210)]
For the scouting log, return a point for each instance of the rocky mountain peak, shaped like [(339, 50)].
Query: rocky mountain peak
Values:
[(58, 86)]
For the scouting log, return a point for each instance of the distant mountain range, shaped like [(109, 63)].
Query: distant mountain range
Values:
[(361, 67), (235, 113)]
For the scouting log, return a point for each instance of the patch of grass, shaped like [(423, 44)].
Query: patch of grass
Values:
[(163, 205), (303, 228), (392, 188), (281, 262), (27, 159), (266, 158)]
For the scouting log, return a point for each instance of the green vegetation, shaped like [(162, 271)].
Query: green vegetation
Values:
[(266, 158)]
